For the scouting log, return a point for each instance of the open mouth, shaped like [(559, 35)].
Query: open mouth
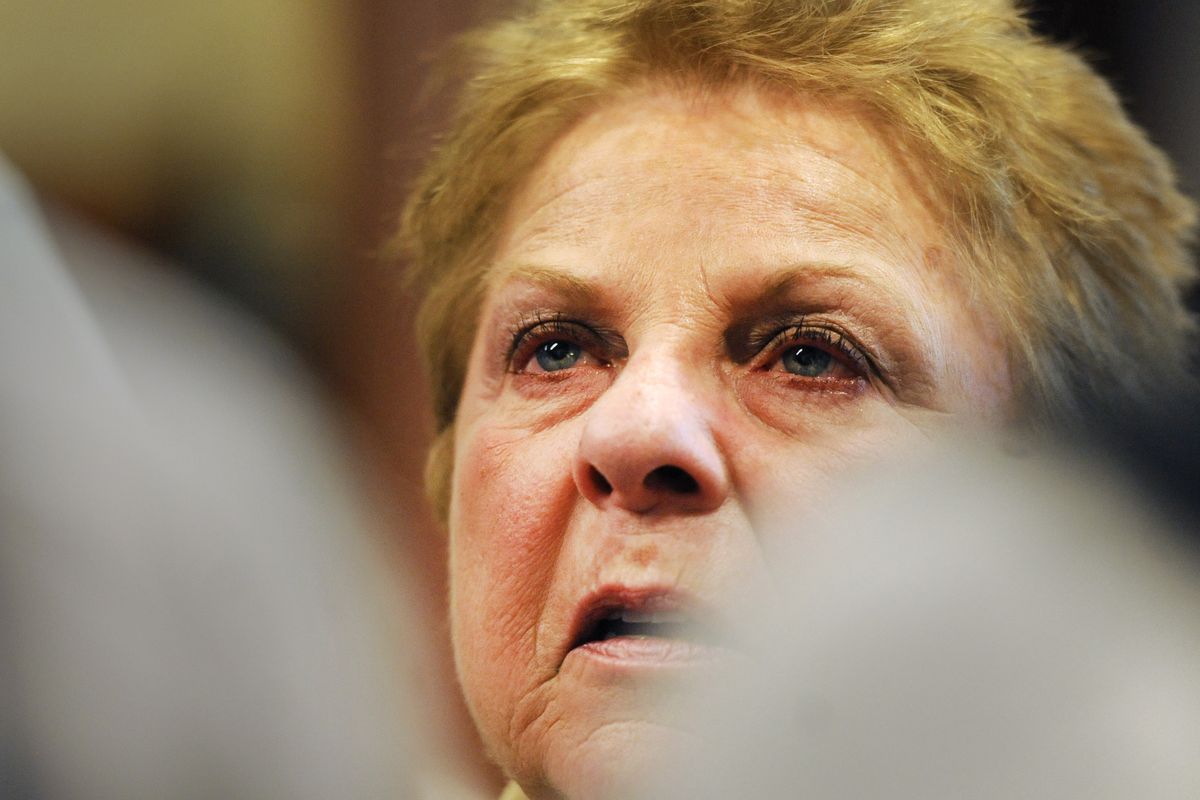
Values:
[(641, 618), (618, 622)]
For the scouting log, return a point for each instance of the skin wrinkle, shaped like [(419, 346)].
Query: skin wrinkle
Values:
[(792, 280), (515, 572), (753, 112), (518, 732), (552, 279), (598, 202), (671, 265), (837, 223)]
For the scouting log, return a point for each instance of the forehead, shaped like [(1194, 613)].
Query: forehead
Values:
[(731, 180)]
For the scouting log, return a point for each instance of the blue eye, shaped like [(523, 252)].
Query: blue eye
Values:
[(551, 343), (557, 355), (811, 362)]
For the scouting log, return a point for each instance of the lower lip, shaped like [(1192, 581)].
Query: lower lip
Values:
[(645, 652)]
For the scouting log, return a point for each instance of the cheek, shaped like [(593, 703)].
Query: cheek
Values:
[(786, 478), (793, 407), (512, 495)]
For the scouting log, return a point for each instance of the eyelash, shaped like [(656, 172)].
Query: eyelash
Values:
[(836, 341), (532, 332)]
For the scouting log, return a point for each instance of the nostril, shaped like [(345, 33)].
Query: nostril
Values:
[(600, 482), (671, 479)]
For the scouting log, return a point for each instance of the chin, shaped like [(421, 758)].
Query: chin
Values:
[(609, 762)]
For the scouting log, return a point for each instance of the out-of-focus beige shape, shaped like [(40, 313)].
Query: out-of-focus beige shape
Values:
[(196, 602), (968, 625)]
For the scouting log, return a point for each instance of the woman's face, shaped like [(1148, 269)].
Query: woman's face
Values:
[(700, 308)]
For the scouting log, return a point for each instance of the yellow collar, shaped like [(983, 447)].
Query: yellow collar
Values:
[(513, 792)]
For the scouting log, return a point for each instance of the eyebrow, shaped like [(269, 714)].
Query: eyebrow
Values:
[(779, 282), (558, 281), (787, 281), (777, 291)]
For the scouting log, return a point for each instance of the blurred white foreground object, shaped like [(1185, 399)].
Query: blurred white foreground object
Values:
[(190, 605), (977, 627)]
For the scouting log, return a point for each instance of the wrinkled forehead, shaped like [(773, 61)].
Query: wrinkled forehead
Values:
[(694, 211), (734, 117), (729, 177)]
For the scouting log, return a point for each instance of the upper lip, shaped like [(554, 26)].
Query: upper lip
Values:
[(673, 603)]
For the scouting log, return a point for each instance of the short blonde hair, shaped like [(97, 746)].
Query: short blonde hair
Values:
[(1068, 217)]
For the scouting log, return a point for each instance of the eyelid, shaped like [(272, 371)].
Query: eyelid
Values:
[(600, 342), (769, 341)]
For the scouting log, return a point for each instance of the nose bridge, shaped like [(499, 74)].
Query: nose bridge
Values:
[(649, 405), (648, 442)]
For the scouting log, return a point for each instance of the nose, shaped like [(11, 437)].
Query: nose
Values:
[(648, 446)]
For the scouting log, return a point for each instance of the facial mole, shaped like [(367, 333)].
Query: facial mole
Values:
[(644, 556)]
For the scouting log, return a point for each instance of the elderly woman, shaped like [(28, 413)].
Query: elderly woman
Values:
[(685, 260)]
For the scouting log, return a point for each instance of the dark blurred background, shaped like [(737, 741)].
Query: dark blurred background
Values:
[(263, 148)]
